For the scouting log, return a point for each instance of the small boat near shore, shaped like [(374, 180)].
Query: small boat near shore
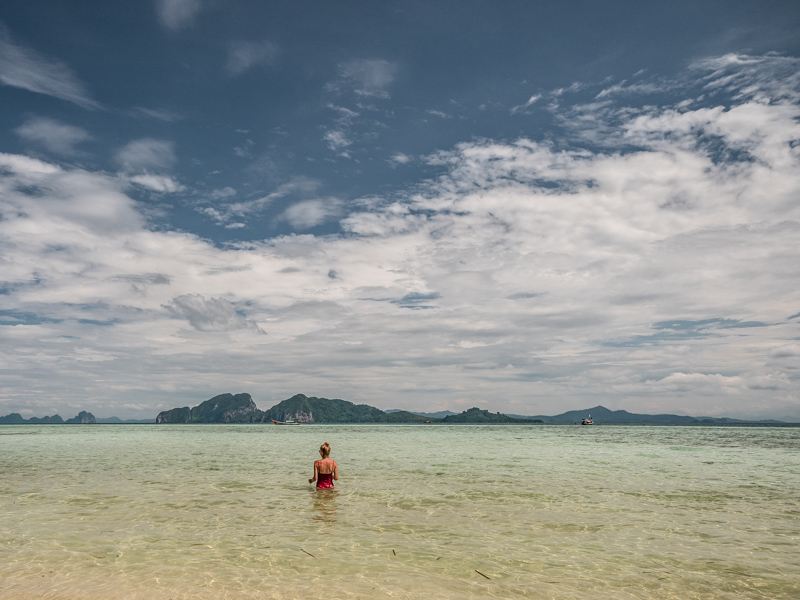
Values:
[(588, 421), (289, 422)]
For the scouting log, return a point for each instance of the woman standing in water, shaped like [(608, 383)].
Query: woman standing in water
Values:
[(325, 469)]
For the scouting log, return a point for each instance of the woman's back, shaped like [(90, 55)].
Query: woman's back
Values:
[(326, 466)]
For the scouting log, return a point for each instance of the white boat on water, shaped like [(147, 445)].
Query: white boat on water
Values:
[(588, 421)]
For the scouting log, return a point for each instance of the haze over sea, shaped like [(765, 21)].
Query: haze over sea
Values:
[(224, 511)]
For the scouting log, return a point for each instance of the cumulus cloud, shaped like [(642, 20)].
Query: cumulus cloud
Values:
[(177, 14), (25, 68), (400, 158), (310, 213), (209, 314), (146, 154), (54, 136), (660, 276), (243, 56)]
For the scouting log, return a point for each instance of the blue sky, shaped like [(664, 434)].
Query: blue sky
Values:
[(528, 207)]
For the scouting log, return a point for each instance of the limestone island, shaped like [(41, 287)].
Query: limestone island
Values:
[(240, 408)]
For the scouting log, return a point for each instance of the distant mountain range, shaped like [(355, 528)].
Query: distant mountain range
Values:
[(430, 415), (602, 415), (227, 408), (82, 418), (240, 408)]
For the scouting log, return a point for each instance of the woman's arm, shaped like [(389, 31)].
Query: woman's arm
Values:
[(335, 471), (314, 478)]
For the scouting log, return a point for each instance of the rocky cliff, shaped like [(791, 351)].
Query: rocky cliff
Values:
[(225, 408)]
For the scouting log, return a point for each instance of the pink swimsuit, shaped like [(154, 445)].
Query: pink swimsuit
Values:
[(325, 480)]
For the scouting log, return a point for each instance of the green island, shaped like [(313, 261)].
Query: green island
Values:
[(82, 418), (301, 409), (240, 408)]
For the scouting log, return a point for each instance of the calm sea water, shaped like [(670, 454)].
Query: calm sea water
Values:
[(186, 511)]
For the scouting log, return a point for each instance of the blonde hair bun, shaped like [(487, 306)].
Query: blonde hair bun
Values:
[(325, 449)]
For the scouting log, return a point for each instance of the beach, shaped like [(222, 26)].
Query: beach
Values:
[(225, 511)]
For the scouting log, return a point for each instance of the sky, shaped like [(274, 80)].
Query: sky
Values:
[(529, 207)]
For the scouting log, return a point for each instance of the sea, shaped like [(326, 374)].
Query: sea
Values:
[(420, 511)]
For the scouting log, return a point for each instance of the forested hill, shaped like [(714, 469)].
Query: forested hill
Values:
[(303, 409), (240, 408), (476, 415), (82, 418), (225, 408)]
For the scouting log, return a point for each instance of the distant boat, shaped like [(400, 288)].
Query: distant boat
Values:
[(587, 421), (287, 422)]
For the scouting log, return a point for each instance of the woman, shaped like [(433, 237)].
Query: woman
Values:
[(325, 469)]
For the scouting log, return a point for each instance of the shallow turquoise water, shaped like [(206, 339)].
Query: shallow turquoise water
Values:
[(115, 511)]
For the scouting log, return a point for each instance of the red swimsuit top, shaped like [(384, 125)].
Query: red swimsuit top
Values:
[(324, 480)]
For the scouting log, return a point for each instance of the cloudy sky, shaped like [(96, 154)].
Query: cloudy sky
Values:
[(529, 207)]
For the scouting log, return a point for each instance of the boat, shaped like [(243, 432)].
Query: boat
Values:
[(588, 421), (287, 422)]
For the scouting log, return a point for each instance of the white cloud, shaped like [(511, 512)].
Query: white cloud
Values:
[(56, 137), (662, 276), (400, 158), (701, 382), (223, 193), (209, 314), (337, 140), (634, 88), (146, 154), (176, 14), (27, 69), (225, 214), (531, 101), (158, 183), (63, 202), (438, 113), (243, 56), (310, 213)]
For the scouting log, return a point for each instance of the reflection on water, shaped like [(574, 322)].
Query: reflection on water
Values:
[(323, 502), (107, 512)]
